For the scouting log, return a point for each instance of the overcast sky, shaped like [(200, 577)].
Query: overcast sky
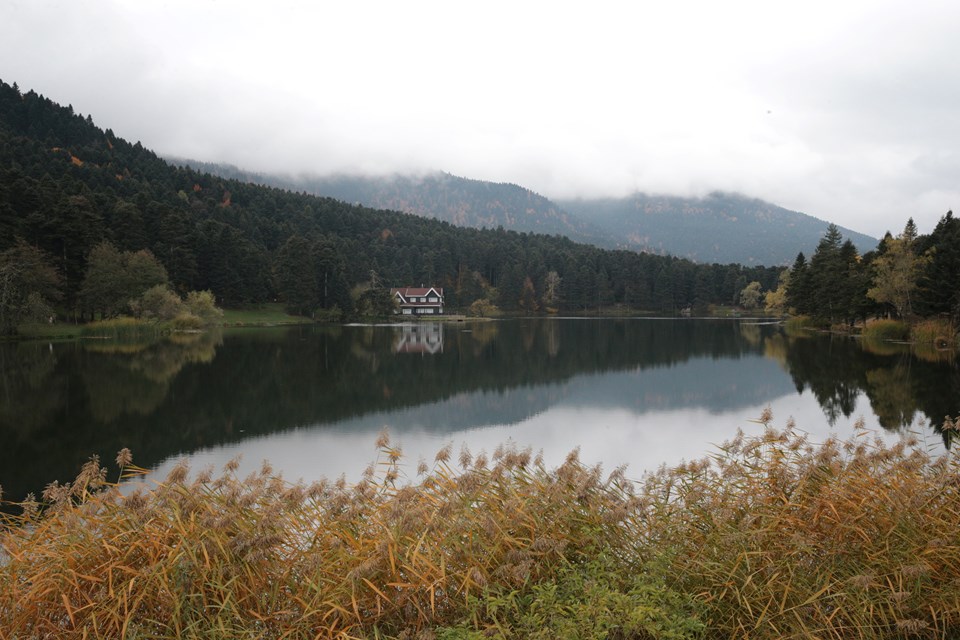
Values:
[(848, 111)]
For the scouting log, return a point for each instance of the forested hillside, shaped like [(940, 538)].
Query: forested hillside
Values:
[(459, 201), (67, 185), (723, 228)]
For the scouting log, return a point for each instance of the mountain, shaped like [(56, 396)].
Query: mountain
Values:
[(720, 228), (460, 201)]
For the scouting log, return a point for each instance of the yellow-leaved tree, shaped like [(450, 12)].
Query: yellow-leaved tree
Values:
[(896, 271)]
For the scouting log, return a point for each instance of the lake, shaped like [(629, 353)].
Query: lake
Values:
[(312, 399)]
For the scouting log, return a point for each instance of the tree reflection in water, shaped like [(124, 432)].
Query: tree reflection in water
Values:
[(61, 403)]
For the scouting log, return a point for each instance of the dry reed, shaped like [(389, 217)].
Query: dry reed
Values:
[(938, 333), (770, 537)]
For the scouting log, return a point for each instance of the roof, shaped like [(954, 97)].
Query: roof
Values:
[(407, 292)]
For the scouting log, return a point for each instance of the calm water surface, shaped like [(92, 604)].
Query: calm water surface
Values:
[(312, 400)]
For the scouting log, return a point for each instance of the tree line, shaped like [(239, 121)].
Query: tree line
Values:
[(908, 276), (67, 186), (72, 193)]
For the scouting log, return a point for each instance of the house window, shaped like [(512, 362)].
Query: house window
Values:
[(433, 300)]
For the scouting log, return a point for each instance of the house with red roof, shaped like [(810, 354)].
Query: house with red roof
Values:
[(417, 301)]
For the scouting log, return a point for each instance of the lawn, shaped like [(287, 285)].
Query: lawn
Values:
[(261, 315)]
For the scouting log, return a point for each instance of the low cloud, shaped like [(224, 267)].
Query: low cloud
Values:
[(843, 112)]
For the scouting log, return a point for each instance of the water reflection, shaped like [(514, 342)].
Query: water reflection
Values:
[(311, 399), (62, 402), (633, 417), (903, 386), (424, 338), (135, 378)]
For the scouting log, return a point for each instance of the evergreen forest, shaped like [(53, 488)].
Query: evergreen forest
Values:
[(79, 203), (67, 186)]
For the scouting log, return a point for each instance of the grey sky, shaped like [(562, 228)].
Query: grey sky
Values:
[(848, 111)]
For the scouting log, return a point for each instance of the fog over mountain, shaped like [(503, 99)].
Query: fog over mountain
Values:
[(845, 111), (721, 228)]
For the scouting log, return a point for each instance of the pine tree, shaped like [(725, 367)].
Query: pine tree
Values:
[(939, 284), (295, 277), (828, 273), (663, 291), (799, 289)]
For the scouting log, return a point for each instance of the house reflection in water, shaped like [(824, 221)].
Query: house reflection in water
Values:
[(422, 338)]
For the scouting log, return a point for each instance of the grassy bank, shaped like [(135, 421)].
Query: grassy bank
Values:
[(769, 537), (270, 314), (265, 315), (45, 331), (934, 333)]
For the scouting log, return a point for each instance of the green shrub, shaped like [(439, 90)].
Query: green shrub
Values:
[(334, 314), (483, 308), (202, 304), (159, 303), (185, 321), (596, 599)]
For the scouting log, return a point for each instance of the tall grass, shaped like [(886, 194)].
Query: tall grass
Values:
[(770, 537), (120, 328), (887, 329), (795, 325), (130, 329), (938, 333), (934, 340), (781, 538)]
